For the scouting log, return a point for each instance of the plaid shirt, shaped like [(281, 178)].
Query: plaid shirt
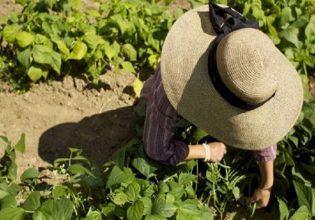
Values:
[(160, 122)]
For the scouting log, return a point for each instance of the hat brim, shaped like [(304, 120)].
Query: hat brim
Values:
[(184, 69)]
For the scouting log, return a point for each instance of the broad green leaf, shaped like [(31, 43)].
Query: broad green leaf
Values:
[(62, 209), (59, 191), (120, 198), (112, 51), (93, 40), (160, 207), (118, 176), (10, 32), (286, 17), (45, 55), (79, 169), (154, 217), (24, 39), (36, 73), (45, 211), (78, 52), (8, 201), (283, 209), (20, 146), (93, 215), (144, 167), (108, 209), (291, 35), (130, 52), (29, 174), (3, 194), (206, 213), (62, 47), (128, 67), (133, 191), (24, 57), (301, 213), (147, 203), (306, 196), (135, 211), (310, 28), (186, 178), (12, 213), (32, 202), (137, 86)]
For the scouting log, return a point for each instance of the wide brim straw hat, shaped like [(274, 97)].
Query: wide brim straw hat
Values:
[(251, 67)]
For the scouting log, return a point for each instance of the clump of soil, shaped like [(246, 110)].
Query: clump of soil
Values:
[(68, 113)]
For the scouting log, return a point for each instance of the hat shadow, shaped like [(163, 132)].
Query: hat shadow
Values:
[(99, 136)]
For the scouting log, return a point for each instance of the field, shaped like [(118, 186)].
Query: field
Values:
[(70, 132)]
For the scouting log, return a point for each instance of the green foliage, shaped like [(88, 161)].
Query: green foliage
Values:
[(55, 38)]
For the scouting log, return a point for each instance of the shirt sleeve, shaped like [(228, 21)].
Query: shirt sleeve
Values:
[(266, 154), (159, 125)]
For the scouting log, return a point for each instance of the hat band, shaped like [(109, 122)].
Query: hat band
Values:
[(225, 21)]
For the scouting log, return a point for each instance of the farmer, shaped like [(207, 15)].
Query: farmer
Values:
[(222, 74)]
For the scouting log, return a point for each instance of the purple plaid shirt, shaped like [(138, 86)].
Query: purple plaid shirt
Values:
[(160, 122)]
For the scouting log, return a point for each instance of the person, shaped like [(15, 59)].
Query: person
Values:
[(224, 75)]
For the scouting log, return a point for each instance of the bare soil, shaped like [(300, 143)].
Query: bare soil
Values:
[(66, 114)]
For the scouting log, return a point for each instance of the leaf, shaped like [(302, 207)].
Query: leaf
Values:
[(112, 51), (162, 208), (29, 174), (12, 213), (45, 55), (32, 202), (62, 209), (35, 73), (120, 198), (9, 32), (93, 40), (147, 204), (45, 211), (3, 194), (20, 146), (310, 28), (93, 215), (133, 191), (24, 57), (135, 211), (118, 176), (283, 209), (306, 196), (154, 217), (78, 52), (286, 17), (301, 213), (8, 202), (128, 67), (24, 39), (186, 178), (137, 87), (144, 167), (62, 47), (79, 169), (130, 52), (291, 35)]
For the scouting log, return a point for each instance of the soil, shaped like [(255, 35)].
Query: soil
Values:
[(66, 114)]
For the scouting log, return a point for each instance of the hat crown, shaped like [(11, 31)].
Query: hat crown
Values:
[(245, 65)]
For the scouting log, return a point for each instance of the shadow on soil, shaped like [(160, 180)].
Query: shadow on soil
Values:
[(99, 136)]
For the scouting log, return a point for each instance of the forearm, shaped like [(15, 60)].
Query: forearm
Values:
[(267, 174), (195, 152)]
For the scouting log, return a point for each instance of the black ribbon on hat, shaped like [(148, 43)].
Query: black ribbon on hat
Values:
[(224, 21)]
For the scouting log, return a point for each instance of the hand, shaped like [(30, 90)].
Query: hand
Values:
[(261, 197), (218, 150)]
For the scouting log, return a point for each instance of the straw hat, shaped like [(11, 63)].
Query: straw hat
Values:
[(250, 66)]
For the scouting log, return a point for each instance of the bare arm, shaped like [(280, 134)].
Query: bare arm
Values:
[(217, 149), (262, 194)]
